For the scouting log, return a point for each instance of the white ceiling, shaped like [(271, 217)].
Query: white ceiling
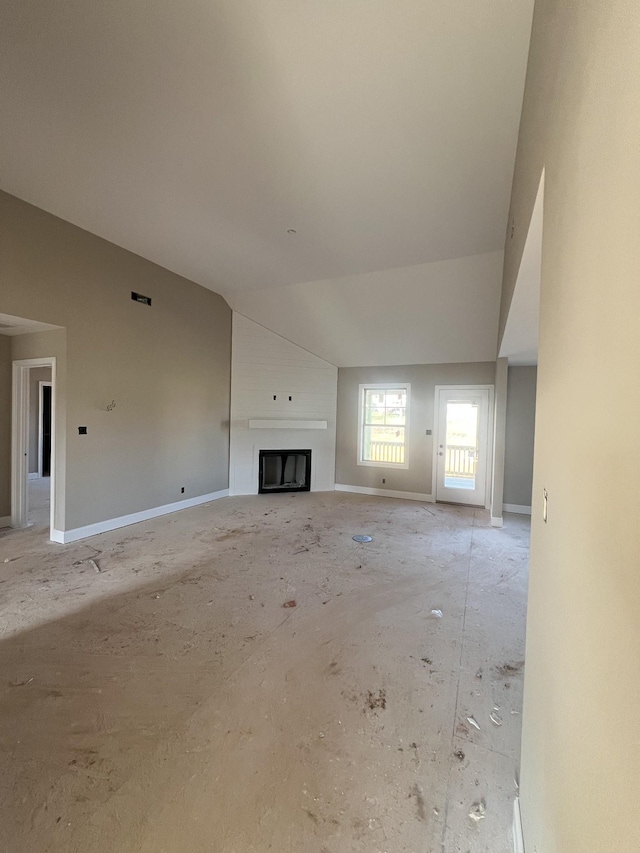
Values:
[(441, 312), (196, 133)]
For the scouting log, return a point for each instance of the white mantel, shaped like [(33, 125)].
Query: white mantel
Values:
[(272, 423)]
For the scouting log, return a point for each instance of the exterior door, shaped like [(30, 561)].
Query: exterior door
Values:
[(462, 445)]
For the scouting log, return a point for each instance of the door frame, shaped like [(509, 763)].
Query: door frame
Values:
[(20, 440), (436, 437), (42, 383)]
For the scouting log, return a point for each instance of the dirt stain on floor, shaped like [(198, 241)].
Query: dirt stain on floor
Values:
[(376, 702), (421, 809)]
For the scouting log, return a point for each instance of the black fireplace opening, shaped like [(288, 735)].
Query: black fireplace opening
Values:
[(284, 471)]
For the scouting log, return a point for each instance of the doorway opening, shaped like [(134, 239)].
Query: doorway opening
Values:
[(33, 442), (45, 413), (461, 459)]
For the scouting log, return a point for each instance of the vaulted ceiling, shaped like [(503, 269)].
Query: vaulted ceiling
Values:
[(201, 133)]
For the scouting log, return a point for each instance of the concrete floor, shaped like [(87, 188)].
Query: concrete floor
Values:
[(170, 703), (39, 501)]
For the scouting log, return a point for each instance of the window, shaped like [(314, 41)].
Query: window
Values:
[(383, 426)]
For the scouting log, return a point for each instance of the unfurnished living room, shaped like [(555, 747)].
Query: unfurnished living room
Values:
[(314, 534)]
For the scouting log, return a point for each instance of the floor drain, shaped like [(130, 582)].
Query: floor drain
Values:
[(359, 537)]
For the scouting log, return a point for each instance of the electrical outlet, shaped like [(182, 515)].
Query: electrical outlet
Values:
[(82, 430), (182, 491), (383, 480)]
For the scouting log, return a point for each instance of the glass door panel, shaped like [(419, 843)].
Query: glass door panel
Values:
[(462, 446)]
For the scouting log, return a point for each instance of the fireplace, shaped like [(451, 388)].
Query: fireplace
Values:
[(284, 471)]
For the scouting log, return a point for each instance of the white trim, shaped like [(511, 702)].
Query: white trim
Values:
[(436, 416), (521, 509), (385, 493), (5, 521), (286, 424), (20, 439), (41, 384), (367, 386), (63, 537), (34, 475), (518, 837), (496, 522)]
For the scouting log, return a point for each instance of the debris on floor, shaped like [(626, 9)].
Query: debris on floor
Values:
[(437, 614), (360, 537), (21, 683), (292, 603), (478, 811), (96, 568), (459, 754), (473, 722), (496, 719), (508, 669)]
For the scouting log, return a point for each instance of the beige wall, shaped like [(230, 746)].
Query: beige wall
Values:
[(423, 379), (521, 414), (36, 376), (5, 426), (167, 367), (581, 123)]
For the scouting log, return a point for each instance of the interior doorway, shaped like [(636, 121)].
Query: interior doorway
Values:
[(33, 453), (461, 462), (45, 412)]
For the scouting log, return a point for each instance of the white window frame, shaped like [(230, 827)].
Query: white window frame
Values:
[(376, 386)]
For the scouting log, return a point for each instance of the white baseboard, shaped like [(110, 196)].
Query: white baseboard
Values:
[(63, 537), (385, 493), (5, 521), (521, 509), (34, 476), (518, 838), (496, 522)]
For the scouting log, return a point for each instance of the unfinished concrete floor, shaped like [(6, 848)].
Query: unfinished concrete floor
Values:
[(171, 704), (39, 501)]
